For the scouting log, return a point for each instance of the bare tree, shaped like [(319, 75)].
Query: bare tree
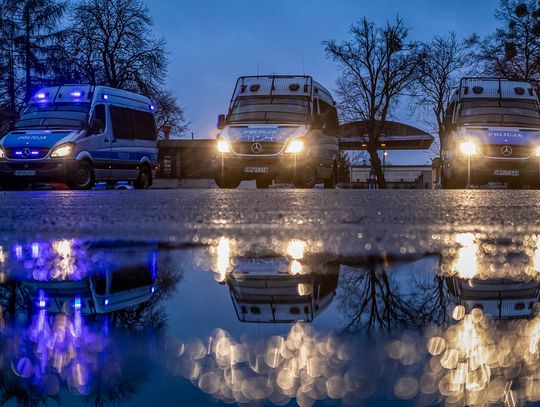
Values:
[(169, 114), (377, 65), (29, 38), (513, 51), (439, 73)]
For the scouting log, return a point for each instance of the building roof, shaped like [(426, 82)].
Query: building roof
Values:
[(395, 136)]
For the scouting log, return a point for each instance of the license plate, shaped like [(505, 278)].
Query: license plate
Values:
[(507, 173), (257, 170), (25, 173)]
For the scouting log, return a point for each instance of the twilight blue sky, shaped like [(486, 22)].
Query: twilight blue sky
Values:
[(211, 42)]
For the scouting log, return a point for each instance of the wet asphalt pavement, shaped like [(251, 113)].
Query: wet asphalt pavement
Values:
[(348, 222)]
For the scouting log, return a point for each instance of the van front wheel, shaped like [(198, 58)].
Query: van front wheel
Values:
[(144, 180), (83, 177)]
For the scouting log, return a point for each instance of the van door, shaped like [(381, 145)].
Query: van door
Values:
[(99, 144), (328, 142), (123, 156)]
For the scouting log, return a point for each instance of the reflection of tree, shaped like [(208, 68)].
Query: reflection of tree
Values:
[(371, 298), (150, 315)]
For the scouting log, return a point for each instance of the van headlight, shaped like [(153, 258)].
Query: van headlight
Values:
[(468, 148), (536, 151), (2, 153), (223, 146), (295, 147), (63, 150)]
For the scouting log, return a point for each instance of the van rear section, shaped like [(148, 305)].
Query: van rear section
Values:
[(492, 134), (278, 128)]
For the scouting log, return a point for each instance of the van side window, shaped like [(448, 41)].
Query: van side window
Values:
[(122, 122), (315, 108), (99, 113), (133, 124), (330, 117), (145, 126)]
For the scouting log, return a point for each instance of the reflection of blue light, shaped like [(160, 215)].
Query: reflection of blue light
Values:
[(41, 95), (152, 107), (106, 302), (105, 97), (41, 303), (153, 289), (76, 94), (77, 303)]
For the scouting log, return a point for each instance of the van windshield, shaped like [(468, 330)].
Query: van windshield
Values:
[(500, 112), (272, 109), (54, 116)]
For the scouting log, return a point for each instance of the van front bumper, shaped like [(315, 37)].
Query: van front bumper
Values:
[(282, 166), (45, 170), (484, 170)]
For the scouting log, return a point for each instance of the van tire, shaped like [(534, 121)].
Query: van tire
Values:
[(330, 183), (226, 181), (263, 182), (83, 177), (144, 180), (306, 177), (14, 185)]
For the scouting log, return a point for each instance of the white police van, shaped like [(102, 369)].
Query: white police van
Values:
[(278, 127), (492, 134), (78, 134)]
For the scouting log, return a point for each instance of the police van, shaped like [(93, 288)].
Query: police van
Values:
[(492, 134), (278, 128), (78, 134)]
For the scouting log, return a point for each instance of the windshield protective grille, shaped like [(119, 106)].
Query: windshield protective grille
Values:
[(500, 112), (270, 110)]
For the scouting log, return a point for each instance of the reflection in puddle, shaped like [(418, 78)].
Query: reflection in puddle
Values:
[(283, 323)]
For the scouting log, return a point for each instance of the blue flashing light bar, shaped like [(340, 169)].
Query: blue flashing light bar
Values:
[(77, 304), (106, 302), (105, 97), (76, 93)]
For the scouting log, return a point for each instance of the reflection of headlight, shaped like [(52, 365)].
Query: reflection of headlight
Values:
[(62, 151), (536, 151), (223, 146), (468, 148), (295, 147)]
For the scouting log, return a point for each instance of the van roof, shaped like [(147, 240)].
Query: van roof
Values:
[(84, 93), (280, 85)]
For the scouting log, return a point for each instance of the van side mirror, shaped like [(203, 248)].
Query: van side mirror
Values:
[(317, 122), (221, 122), (96, 126)]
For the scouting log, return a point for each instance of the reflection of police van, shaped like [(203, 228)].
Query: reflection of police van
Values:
[(263, 291), (113, 278), (79, 134), (492, 134), (501, 298), (278, 128)]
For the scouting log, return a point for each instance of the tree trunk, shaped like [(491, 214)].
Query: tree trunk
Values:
[(27, 57), (376, 164)]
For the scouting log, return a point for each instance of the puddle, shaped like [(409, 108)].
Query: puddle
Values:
[(281, 322)]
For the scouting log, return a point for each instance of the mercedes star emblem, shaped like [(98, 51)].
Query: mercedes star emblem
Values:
[(256, 147), (26, 152), (506, 151)]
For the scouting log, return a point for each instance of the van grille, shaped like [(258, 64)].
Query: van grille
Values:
[(267, 148), (27, 153), (496, 150)]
